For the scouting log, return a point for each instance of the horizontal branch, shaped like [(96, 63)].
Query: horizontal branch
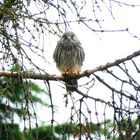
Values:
[(32, 75)]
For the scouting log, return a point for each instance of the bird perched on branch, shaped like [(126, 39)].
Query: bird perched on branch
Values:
[(69, 56)]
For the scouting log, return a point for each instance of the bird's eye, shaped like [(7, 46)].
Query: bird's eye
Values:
[(64, 36), (72, 36)]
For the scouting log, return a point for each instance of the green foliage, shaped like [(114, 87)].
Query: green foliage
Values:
[(43, 133), (66, 130), (76, 129), (16, 93), (10, 132), (106, 128)]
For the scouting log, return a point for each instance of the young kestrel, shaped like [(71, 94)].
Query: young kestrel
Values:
[(69, 56)]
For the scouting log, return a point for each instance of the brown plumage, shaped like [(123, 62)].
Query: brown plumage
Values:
[(69, 56)]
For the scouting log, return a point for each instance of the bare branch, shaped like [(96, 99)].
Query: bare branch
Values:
[(32, 75), (28, 75), (108, 65)]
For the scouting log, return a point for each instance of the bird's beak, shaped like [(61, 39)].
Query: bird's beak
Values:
[(68, 38)]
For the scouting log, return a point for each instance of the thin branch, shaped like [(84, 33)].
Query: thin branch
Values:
[(108, 65), (117, 91)]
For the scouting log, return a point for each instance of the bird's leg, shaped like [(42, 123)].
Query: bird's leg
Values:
[(71, 72)]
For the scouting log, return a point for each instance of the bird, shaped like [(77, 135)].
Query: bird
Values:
[(69, 56)]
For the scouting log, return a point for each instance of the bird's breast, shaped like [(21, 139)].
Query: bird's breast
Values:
[(69, 59)]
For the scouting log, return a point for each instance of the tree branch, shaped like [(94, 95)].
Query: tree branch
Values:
[(32, 75), (108, 65)]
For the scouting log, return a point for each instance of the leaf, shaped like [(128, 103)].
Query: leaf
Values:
[(37, 100), (36, 88)]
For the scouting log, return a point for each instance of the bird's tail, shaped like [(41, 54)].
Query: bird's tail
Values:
[(71, 84)]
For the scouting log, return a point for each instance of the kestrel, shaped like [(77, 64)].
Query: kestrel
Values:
[(69, 56)]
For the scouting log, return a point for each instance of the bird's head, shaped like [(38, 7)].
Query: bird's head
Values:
[(70, 37)]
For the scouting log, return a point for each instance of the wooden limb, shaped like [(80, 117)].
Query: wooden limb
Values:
[(32, 75)]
